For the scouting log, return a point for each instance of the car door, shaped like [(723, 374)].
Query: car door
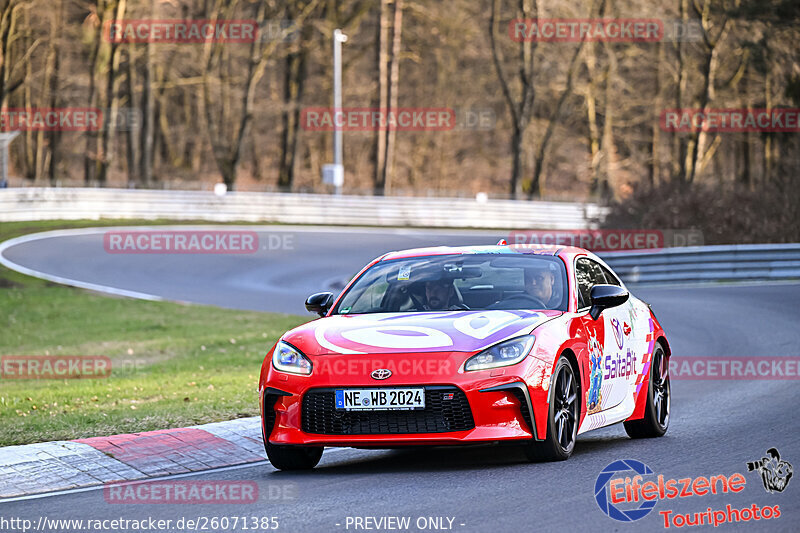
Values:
[(612, 357), (636, 334)]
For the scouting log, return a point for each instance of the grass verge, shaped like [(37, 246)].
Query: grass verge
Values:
[(173, 365)]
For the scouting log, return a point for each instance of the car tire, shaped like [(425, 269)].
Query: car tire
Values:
[(656, 414), (562, 418), (284, 457)]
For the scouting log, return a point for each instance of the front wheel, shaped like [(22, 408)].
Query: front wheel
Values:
[(562, 419), (656, 414), (285, 457)]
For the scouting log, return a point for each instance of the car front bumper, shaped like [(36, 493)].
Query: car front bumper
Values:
[(508, 403)]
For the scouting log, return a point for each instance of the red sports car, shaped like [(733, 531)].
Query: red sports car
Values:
[(531, 344)]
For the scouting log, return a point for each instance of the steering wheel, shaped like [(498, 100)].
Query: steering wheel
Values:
[(525, 300), (458, 307), (410, 293)]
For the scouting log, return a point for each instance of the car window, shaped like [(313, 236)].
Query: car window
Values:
[(459, 282), (583, 273), (588, 274), (611, 279)]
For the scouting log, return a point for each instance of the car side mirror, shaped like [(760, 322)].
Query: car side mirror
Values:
[(605, 297), (319, 303)]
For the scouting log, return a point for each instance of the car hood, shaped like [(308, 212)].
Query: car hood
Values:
[(381, 333)]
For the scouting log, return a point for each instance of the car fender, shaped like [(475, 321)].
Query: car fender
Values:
[(656, 334), (554, 338)]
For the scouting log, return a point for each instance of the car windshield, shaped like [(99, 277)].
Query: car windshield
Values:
[(463, 281)]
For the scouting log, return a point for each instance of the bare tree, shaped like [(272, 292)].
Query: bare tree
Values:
[(226, 131), (520, 106), (713, 33), (393, 90), (111, 99), (10, 76)]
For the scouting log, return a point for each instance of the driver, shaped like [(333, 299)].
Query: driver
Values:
[(539, 283), (440, 295)]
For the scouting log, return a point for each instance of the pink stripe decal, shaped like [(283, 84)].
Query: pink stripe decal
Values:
[(648, 358)]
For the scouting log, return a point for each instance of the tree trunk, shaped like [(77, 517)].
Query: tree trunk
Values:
[(383, 97), (678, 144), (591, 115), (8, 39), (29, 137), (90, 156), (394, 80), (54, 136), (769, 162), (111, 104), (131, 137), (698, 140), (520, 109), (294, 77), (654, 166)]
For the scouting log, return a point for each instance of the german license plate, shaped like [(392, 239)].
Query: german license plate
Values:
[(380, 399)]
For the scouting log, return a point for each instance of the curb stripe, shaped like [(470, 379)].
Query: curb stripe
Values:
[(172, 451)]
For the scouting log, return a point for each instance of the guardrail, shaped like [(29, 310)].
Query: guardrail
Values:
[(78, 203), (745, 262)]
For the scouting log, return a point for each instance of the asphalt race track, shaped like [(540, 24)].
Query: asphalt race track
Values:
[(716, 426)]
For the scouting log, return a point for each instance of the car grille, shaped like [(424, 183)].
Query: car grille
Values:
[(440, 415), (523, 405), (269, 413)]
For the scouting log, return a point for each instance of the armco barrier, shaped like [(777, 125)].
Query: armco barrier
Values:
[(745, 262), (289, 208)]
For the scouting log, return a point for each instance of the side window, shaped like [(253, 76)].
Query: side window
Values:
[(583, 271), (611, 279), (589, 274)]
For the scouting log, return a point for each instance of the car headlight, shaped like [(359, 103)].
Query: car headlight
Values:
[(287, 358), (506, 353)]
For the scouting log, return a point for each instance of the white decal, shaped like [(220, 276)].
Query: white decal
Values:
[(482, 325), (319, 334), (410, 337)]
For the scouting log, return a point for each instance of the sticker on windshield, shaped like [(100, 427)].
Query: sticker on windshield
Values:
[(404, 274)]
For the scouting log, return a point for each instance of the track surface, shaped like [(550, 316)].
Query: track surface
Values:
[(716, 426)]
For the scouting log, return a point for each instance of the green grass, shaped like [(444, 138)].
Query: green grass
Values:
[(172, 365)]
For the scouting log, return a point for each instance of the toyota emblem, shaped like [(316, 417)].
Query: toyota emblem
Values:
[(381, 373)]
